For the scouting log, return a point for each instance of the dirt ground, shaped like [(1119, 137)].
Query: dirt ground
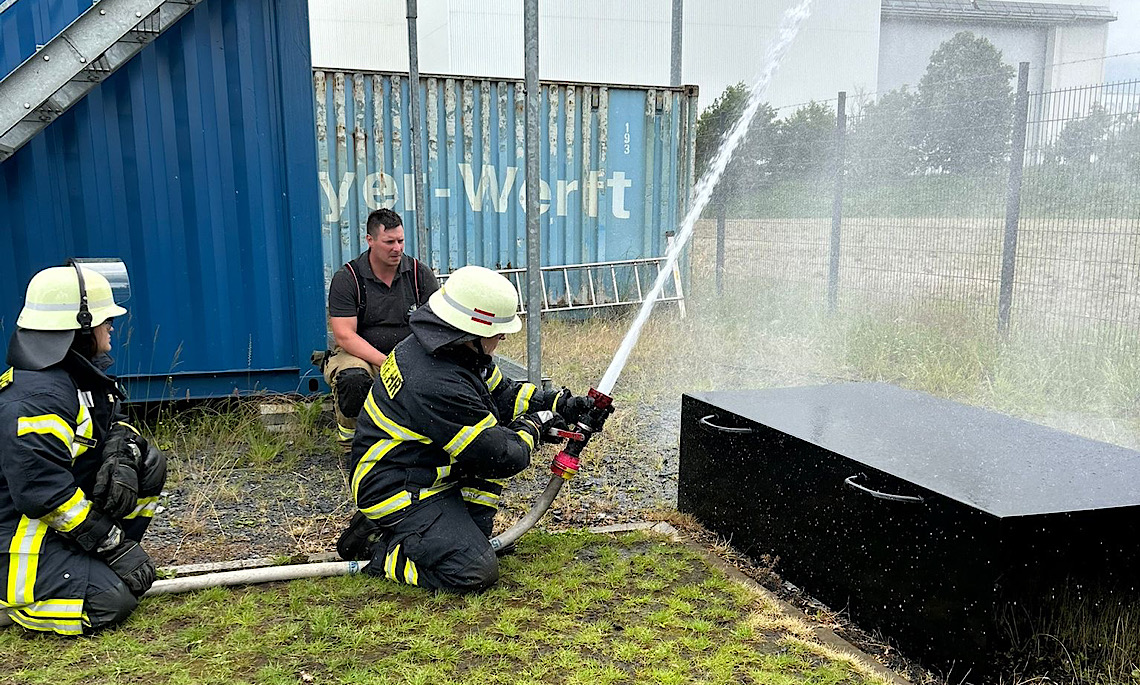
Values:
[(244, 513)]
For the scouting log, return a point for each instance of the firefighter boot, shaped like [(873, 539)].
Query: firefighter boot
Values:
[(355, 543)]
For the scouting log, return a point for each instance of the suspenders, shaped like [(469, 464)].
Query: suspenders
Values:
[(362, 292)]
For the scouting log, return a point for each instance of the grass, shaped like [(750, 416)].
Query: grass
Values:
[(571, 608)]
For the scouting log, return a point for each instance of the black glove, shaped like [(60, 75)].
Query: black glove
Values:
[(152, 472), (571, 407), (538, 423), (99, 535), (116, 490), (129, 561), (123, 439)]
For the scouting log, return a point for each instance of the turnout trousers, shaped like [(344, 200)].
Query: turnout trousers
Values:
[(438, 546)]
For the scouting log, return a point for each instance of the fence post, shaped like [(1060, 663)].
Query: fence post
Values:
[(837, 200), (720, 212), (1013, 198)]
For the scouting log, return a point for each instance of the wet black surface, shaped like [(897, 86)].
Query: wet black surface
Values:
[(998, 464), (941, 525)]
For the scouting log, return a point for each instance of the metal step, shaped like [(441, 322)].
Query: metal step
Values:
[(598, 285), (61, 73)]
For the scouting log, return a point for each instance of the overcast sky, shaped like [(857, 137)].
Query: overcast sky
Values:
[(1124, 36)]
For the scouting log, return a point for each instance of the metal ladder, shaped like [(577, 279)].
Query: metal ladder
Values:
[(90, 49), (598, 285)]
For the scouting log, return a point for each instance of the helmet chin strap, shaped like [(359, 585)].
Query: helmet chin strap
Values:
[(84, 315)]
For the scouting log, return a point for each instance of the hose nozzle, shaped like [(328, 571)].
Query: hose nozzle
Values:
[(565, 464)]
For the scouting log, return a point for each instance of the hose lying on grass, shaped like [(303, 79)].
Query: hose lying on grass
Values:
[(248, 576)]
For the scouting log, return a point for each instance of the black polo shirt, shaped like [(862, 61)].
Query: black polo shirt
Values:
[(385, 322)]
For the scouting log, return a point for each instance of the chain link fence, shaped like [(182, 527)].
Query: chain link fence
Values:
[(1020, 213)]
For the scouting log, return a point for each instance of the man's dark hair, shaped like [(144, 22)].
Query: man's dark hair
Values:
[(384, 219)]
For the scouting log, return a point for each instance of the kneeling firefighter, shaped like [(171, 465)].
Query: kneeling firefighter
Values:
[(78, 485), (440, 430)]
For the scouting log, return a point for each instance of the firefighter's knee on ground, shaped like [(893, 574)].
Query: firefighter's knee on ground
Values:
[(351, 388), (479, 575), (109, 607)]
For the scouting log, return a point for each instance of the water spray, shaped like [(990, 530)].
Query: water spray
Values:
[(790, 25), (565, 465)]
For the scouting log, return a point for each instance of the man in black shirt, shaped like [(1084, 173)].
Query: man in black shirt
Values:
[(370, 300)]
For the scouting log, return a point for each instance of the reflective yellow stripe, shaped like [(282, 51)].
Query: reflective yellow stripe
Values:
[(144, 509), (388, 506), (388, 425), (46, 424), (495, 379), (70, 514), (346, 433), (369, 460), (435, 490), (527, 438), (128, 426), (466, 434), (83, 428), (411, 573), (487, 499), (23, 558), (442, 472), (390, 564), (522, 400), (63, 616)]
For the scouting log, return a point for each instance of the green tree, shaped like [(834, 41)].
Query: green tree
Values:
[(965, 103), (804, 146), (746, 169), (883, 138), (1084, 141)]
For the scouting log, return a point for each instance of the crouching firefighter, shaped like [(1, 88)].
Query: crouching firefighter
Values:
[(78, 485), (440, 431)]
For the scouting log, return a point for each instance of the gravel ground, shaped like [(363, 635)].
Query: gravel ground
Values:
[(243, 513)]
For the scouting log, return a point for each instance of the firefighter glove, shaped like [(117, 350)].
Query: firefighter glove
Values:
[(128, 560), (572, 407), (152, 472), (116, 491), (124, 440), (538, 423)]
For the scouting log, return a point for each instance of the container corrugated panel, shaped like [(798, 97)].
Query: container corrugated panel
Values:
[(616, 165), (195, 164), (27, 24)]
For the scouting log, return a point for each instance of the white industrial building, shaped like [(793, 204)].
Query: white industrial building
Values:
[(860, 46)]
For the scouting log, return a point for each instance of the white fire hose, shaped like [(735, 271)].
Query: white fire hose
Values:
[(247, 576)]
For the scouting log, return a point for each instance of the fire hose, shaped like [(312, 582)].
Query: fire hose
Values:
[(563, 467)]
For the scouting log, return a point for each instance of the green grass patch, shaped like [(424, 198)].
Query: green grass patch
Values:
[(592, 619)]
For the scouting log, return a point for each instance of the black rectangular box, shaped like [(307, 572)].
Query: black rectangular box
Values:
[(937, 523)]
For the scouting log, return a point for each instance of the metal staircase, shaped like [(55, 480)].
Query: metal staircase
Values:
[(61, 73)]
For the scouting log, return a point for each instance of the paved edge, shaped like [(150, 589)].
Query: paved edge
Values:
[(822, 633)]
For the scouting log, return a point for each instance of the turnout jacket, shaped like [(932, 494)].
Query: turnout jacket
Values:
[(434, 421), (52, 428)]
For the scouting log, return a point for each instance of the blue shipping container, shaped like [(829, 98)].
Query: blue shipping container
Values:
[(195, 164), (616, 166)]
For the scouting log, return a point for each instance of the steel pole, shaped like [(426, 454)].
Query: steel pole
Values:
[(1013, 198), (675, 51), (423, 250), (837, 201), (533, 230)]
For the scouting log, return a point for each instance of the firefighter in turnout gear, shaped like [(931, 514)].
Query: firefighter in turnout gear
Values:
[(440, 431), (78, 485)]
